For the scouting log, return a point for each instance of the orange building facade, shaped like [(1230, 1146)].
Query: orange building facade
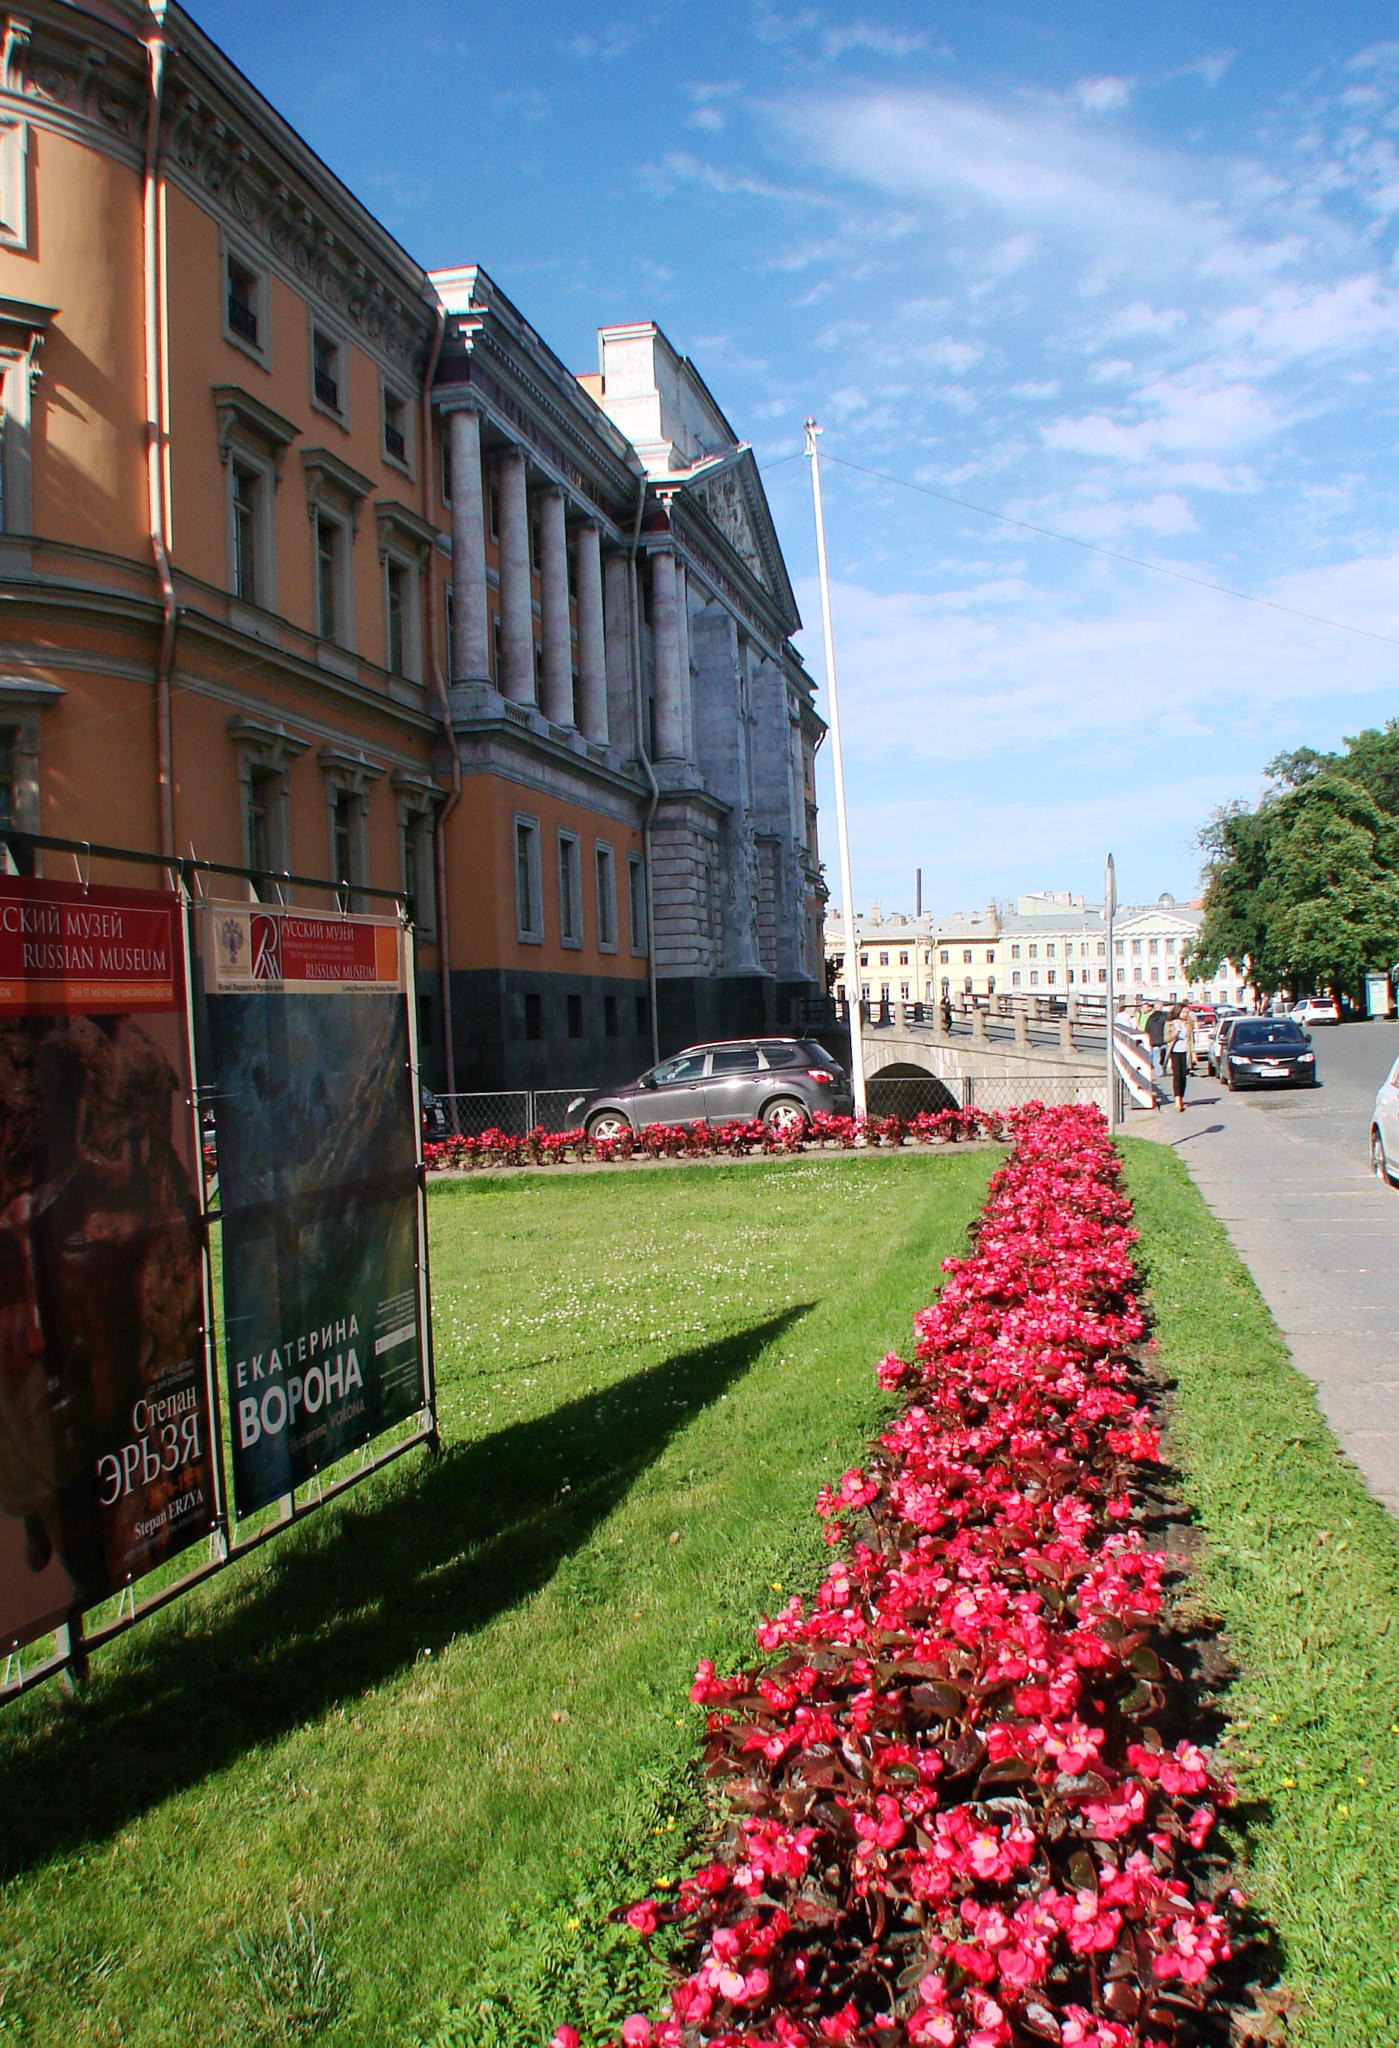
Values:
[(313, 562)]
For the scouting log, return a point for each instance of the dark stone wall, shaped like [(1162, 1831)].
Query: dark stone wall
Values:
[(491, 1016)]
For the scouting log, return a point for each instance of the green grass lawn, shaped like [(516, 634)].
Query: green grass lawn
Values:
[(1303, 1566), (381, 1781)]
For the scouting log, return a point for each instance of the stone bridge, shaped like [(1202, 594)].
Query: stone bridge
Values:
[(996, 1059)]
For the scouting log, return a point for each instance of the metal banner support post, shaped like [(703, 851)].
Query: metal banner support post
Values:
[(852, 951)]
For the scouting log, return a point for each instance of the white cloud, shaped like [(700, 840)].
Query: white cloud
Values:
[(1188, 418), (1013, 669), (1140, 318), (1103, 95)]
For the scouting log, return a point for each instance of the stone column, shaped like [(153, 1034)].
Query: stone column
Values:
[(556, 694), (516, 611), (665, 653), (687, 679), (592, 649), (617, 635), (471, 652)]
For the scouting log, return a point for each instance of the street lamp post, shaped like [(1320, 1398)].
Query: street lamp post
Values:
[(852, 951)]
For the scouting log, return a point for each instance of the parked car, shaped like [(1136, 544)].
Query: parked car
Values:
[(1315, 1010), (1208, 1024), (1261, 1051), (434, 1115), (1384, 1128), (785, 1081)]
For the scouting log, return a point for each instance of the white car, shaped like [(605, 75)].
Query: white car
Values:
[(1315, 1010), (1384, 1128)]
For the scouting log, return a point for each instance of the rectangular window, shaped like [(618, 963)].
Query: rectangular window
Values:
[(534, 1016), (329, 542), (1049, 977), (1015, 981), (570, 892), (991, 958), (326, 371), (966, 956), (609, 1016), (395, 426), (944, 956), (247, 486), (1034, 952), (903, 959), (636, 901), (575, 1016), (493, 509), (342, 837), (606, 880), (529, 916), (397, 581), (1102, 949), (243, 301), (9, 778), (496, 664), (1034, 977), (884, 959), (1049, 950), (262, 803), (1015, 952)]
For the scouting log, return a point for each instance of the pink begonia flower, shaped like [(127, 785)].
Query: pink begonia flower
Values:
[(642, 1917), (636, 2031), (565, 2037), (1003, 1558)]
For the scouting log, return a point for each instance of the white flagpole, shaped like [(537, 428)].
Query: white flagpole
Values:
[(852, 950), (1110, 1013)]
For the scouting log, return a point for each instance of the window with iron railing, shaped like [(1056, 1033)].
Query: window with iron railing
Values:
[(325, 369), (244, 291)]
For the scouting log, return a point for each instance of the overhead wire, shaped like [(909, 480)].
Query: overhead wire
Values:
[(1095, 548)]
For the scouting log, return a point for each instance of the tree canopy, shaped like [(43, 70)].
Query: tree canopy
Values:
[(1304, 890)]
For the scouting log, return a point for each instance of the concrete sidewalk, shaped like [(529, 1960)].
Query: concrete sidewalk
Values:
[(1321, 1238)]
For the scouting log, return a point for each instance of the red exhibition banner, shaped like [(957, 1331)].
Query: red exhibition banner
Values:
[(106, 1448)]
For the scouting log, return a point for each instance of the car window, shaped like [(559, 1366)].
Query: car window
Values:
[(1282, 1033), (734, 1059), (688, 1067), (781, 1055)]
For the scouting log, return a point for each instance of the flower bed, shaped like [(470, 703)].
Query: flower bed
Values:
[(739, 1139), (956, 1816)]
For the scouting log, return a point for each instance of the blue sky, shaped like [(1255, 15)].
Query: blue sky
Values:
[(1127, 273)]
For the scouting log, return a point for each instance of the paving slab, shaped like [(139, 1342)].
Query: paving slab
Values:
[(1288, 1175)]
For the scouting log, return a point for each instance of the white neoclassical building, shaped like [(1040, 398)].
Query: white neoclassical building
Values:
[(1047, 943)]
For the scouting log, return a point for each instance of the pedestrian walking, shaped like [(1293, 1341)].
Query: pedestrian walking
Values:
[(1155, 1028), (946, 1007), (1180, 1050)]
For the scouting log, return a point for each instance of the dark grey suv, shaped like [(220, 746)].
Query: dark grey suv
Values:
[(785, 1081)]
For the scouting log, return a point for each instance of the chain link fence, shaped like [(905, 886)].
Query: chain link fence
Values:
[(519, 1110), (512, 1110)]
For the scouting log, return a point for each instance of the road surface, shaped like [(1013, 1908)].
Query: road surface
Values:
[(1288, 1174)]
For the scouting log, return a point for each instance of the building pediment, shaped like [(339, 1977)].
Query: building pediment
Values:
[(729, 495)]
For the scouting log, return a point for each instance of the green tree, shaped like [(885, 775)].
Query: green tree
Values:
[(1305, 889)]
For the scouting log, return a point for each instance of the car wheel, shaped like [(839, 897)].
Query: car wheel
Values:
[(608, 1123), (1379, 1162), (785, 1116)]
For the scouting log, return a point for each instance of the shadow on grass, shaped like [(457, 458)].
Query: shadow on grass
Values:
[(353, 1597)]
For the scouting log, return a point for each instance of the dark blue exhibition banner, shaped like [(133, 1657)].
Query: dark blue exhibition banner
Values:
[(316, 1123)]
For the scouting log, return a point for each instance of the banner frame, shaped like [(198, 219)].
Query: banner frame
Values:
[(75, 1640)]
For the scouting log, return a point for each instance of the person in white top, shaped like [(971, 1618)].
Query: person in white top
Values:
[(1180, 1050)]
